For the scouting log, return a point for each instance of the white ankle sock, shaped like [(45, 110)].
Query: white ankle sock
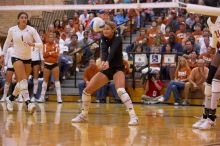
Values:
[(35, 86), (58, 90), (86, 101)]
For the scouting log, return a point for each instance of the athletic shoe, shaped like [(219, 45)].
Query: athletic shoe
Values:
[(81, 118), (2, 99), (41, 100), (161, 99), (32, 99), (59, 100), (176, 104), (198, 123), (207, 124), (31, 108), (9, 104), (133, 121), (79, 100), (185, 103)]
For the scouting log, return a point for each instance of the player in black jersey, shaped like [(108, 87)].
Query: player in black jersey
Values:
[(111, 68)]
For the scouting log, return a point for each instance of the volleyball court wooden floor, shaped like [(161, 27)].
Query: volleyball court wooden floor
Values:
[(160, 125)]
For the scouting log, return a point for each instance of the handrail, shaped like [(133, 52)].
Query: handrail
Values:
[(74, 53)]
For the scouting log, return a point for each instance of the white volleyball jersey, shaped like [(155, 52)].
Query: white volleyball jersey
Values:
[(36, 54), (8, 62), (215, 30), (18, 37)]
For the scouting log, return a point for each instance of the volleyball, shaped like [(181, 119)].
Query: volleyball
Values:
[(97, 24)]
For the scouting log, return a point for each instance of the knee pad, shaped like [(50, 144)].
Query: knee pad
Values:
[(57, 83), (86, 97), (23, 84), (208, 90), (44, 84), (121, 91), (216, 86), (212, 71), (87, 94)]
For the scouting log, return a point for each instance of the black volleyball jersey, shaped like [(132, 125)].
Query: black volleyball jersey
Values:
[(111, 51)]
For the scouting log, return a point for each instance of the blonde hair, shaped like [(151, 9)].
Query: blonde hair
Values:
[(111, 24), (185, 64)]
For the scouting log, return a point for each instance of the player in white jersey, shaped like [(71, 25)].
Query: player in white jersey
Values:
[(9, 73), (212, 88), (23, 37), (37, 58)]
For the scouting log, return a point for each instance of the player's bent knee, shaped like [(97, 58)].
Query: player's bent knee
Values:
[(216, 86), (23, 84), (121, 91)]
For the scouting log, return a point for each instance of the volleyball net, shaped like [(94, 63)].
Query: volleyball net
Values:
[(172, 4), (193, 8)]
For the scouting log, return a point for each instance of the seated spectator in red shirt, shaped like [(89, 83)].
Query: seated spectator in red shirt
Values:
[(153, 86)]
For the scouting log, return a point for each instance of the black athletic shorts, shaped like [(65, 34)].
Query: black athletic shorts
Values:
[(111, 71), (33, 63), (50, 67), (14, 59), (11, 69)]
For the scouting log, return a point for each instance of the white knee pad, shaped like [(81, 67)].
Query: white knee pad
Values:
[(208, 90), (216, 86), (44, 85), (86, 97), (23, 84), (121, 91), (87, 94), (57, 83)]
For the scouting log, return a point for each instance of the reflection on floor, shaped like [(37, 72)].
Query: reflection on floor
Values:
[(51, 126)]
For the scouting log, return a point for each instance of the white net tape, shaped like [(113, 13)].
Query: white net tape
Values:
[(203, 10), (198, 9), (89, 7)]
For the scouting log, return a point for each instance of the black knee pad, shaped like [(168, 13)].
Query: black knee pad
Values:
[(212, 71)]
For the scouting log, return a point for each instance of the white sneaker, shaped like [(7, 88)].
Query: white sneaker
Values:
[(41, 100), (133, 121), (59, 100), (198, 123), (161, 99), (81, 118), (33, 99), (176, 104), (79, 100), (2, 99), (31, 108), (9, 104), (77, 69), (207, 124)]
